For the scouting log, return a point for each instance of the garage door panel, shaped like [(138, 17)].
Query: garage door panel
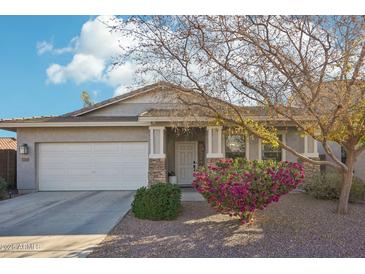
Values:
[(107, 148), (92, 166), (65, 147)]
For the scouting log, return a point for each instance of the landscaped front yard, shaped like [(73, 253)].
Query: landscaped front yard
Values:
[(297, 226)]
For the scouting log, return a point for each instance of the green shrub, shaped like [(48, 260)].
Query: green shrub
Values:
[(327, 186), (161, 201), (357, 192), (3, 189)]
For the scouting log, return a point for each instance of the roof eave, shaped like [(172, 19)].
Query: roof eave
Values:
[(200, 119), (8, 129), (10, 126)]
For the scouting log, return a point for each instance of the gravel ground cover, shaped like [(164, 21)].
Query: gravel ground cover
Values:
[(297, 226)]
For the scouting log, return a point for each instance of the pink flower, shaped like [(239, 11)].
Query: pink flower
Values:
[(239, 188)]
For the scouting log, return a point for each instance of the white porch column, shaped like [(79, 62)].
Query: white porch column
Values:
[(247, 146), (314, 152), (157, 164), (259, 149), (283, 151), (316, 147), (157, 142), (215, 146), (310, 169), (305, 144)]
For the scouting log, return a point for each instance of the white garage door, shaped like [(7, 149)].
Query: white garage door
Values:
[(92, 166)]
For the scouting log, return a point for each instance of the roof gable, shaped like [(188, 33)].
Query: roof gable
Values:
[(150, 103), (130, 96)]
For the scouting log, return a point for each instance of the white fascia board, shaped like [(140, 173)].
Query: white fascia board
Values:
[(74, 124), (174, 119), (203, 119)]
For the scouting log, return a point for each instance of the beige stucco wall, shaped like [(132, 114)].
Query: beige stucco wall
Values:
[(336, 150), (26, 173), (294, 140), (359, 168)]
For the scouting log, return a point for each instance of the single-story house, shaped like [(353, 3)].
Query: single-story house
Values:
[(8, 159), (132, 140)]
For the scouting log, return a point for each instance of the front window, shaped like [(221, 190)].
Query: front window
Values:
[(235, 146), (271, 153)]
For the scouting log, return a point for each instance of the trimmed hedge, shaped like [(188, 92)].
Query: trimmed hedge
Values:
[(160, 201), (327, 186)]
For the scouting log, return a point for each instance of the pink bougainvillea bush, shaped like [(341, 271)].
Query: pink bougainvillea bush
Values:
[(239, 187)]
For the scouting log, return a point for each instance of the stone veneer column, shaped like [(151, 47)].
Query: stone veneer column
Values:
[(212, 161), (157, 170), (311, 169)]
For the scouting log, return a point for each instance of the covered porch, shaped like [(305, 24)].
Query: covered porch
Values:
[(176, 152)]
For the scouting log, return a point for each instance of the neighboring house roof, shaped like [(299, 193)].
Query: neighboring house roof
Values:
[(331, 95), (7, 143)]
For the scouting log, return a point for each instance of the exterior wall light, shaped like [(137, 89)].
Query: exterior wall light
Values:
[(24, 149)]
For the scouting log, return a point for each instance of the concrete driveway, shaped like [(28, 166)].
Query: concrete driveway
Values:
[(59, 224)]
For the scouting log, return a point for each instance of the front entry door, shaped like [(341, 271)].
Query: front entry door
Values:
[(186, 161)]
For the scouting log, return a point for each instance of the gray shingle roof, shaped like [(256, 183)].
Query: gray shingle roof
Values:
[(77, 116)]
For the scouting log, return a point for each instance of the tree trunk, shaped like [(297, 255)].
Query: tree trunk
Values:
[(342, 206)]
